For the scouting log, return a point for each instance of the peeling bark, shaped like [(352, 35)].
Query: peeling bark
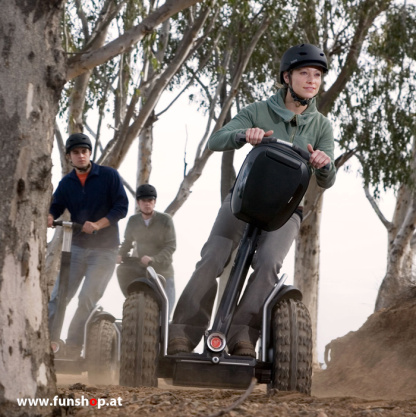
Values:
[(32, 74), (144, 163), (399, 283)]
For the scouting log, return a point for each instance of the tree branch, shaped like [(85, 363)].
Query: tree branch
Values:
[(120, 147), (200, 161), (369, 11), (107, 14), (388, 225), (81, 63)]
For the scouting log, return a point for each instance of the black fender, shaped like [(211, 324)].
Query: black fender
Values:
[(103, 315), (287, 292), (146, 285)]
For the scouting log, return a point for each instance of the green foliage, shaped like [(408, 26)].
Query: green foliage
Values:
[(78, 27), (235, 26), (376, 111), (373, 110)]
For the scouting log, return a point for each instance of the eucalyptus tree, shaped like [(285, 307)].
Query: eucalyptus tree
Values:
[(125, 90), (231, 69), (33, 70), (351, 35), (236, 61), (204, 46), (380, 126), (343, 29)]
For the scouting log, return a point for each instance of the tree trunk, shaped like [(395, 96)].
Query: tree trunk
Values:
[(77, 102), (189, 180), (144, 163), (53, 259), (31, 79), (399, 284), (307, 256)]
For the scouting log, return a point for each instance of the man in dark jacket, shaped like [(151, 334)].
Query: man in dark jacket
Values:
[(95, 197)]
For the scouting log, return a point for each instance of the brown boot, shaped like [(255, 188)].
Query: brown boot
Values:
[(179, 345), (243, 348)]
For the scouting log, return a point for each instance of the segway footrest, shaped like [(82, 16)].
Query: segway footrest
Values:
[(231, 372)]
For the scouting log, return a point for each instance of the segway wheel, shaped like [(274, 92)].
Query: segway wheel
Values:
[(292, 347), (102, 358), (140, 340)]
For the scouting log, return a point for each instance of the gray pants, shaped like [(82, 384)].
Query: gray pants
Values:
[(97, 266), (193, 311)]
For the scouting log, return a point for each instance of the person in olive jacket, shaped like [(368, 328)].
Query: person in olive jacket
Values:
[(290, 115), (151, 235)]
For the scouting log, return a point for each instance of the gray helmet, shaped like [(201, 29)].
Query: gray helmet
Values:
[(77, 140), (302, 56), (146, 191)]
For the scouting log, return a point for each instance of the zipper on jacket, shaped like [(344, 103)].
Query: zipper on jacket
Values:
[(295, 128)]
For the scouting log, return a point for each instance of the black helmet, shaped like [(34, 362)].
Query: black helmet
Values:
[(146, 191), (78, 140), (302, 56)]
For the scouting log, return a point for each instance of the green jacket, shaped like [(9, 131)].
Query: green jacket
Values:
[(309, 127), (157, 240)]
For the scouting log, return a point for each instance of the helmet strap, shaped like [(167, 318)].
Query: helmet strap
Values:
[(298, 100)]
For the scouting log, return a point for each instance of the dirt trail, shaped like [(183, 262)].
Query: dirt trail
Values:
[(372, 373), (167, 400)]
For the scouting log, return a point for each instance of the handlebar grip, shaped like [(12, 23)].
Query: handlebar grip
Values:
[(77, 227), (241, 138), (304, 154)]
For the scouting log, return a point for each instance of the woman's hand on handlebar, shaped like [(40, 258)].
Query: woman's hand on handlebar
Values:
[(255, 135), (318, 159)]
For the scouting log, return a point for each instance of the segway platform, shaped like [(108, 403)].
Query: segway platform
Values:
[(201, 370)]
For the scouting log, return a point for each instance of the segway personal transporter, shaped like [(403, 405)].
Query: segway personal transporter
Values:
[(100, 356), (270, 185)]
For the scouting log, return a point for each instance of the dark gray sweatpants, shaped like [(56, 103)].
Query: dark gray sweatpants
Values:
[(193, 311)]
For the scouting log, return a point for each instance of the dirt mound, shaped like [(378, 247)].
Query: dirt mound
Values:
[(376, 361)]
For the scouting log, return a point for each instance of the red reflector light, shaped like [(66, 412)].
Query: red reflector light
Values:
[(216, 342)]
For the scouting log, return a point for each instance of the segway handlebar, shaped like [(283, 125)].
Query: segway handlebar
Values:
[(241, 138), (76, 227)]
